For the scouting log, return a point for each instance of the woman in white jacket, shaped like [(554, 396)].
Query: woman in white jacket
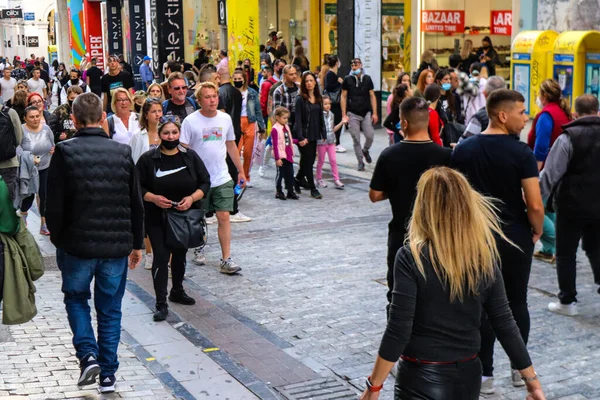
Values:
[(147, 137)]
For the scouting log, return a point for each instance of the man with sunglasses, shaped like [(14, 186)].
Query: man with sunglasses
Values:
[(178, 105), (115, 78), (359, 104), (74, 80)]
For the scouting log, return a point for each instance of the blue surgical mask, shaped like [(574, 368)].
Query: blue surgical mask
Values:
[(446, 86), (356, 71)]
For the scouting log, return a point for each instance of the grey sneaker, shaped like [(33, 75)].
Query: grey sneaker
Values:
[(199, 257), (361, 166), (148, 260), (516, 378), (229, 267), (487, 386)]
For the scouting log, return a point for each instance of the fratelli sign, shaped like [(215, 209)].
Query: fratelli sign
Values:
[(11, 13)]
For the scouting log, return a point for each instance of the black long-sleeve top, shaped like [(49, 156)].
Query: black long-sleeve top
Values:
[(331, 83), (425, 325), (309, 121)]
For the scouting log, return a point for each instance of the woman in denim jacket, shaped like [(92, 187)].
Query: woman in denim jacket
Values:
[(251, 115)]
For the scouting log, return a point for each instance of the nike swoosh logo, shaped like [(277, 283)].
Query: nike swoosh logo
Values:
[(160, 174)]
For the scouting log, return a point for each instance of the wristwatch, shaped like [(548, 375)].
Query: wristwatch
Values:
[(372, 388), (528, 380)]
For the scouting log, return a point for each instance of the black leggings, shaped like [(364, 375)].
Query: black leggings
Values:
[(457, 381), (286, 171), (160, 271), (516, 267), (28, 201), (308, 155)]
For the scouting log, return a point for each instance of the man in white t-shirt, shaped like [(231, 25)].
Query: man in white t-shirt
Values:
[(209, 133), (7, 85), (36, 84)]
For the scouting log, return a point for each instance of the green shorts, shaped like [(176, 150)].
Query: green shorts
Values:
[(220, 198)]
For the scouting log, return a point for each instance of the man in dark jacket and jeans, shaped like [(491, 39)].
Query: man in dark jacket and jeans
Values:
[(95, 213), (571, 177)]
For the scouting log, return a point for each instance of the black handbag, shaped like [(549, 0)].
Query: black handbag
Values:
[(452, 132), (185, 229)]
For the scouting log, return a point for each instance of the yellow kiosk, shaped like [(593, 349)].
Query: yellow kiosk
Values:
[(530, 64), (577, 63)]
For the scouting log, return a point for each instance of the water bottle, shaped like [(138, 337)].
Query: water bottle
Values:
[(238, 188)]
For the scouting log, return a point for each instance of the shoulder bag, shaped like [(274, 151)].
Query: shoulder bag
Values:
[(185, 229)]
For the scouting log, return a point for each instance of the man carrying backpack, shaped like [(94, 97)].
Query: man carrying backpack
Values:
[(178, 105), (11, 136)]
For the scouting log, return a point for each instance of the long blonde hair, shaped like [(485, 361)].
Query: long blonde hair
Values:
[(457, 225), (466, 50)]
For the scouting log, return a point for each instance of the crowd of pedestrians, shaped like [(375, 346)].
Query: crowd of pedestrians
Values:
[(126, 167)]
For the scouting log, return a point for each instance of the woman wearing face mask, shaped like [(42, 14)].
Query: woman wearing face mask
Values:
[(121, 125), (171, 177), (332, 87), (36, 100), (449, 106), (487, 55), (40, 141), (547, 126), (155, 91), (251, 115)]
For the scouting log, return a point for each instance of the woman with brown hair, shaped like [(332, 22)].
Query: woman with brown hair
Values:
[(300, 59), (308, 129), (155, 91), (547, 126), (426, 78), (446, 275)]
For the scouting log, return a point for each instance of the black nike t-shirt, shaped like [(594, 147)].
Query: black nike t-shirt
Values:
[(181, 111), (397, 173), (173, 179)]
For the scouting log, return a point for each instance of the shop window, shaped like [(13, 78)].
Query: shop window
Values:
[(290, 17), (329, 30), (392, 43)]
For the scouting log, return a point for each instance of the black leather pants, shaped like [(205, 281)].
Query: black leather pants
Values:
[(457, 381)]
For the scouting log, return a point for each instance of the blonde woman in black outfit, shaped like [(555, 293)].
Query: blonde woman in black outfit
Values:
[(171, 177), (433, 324)]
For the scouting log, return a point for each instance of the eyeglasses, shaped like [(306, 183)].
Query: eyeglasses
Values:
[(355, 63), (169, 118), (180, 87), (36, 102), (122, 100)]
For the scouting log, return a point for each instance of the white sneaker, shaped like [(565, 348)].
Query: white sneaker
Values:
[(148, 261), (339, 185), (261, 171), (487, 385), (211, 220), (239, 217), (516, 378), (249, 184), (199, 257), (321, 183), (570, 310), (339, 149)]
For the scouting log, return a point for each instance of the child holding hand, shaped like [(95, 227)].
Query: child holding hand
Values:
[(327, 146), (283, 151)]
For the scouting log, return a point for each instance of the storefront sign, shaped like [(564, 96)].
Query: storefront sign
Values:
[(222, 12), (33, 41), (443, 21), (392, 9), (93, 32), (29, 16), (592, 56), (137, 15), (501, 23), (521, 56), (115, 33), (76, 40), (367, 44), (11, 13), (330, 8), (243, 25), (564, 58), (156, 65), (170, 30)]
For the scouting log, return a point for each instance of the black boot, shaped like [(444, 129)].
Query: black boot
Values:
[(279, 195), (181, 297), (297, 186), (293, 196), (162, 310)]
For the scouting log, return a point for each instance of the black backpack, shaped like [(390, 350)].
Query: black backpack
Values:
[(8, 139)]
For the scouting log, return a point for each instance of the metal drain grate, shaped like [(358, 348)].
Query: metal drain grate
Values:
[(320, 389)]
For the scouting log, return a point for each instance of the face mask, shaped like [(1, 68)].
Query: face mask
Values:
[(446, 86), (70, 103), (538, 102), (486, 46), (137, 108), (356, 71), (263, 66), (278, 71), (74, 81), (170, 145), (238, 84)]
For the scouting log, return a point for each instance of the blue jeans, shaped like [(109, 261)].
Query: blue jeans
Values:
[(110, 277)]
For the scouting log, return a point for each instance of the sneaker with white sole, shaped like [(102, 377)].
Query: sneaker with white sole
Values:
[(211, 220), (517, 381), (148, 260), (239, 217), (321, 183), (570, 310), (340, 149), (90, 369), (339, 185), (107, 384), (229, 267), (199, 257), (249, 184), (261, 171), (487, 385)]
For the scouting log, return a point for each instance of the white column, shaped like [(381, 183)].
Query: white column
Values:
[(62, 33)]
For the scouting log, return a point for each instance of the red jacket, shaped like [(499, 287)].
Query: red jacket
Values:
[(435, 126), (265, 87), (558, 117)]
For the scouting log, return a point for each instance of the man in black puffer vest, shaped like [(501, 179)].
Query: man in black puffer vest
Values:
[(95, 215), (571, 181)]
